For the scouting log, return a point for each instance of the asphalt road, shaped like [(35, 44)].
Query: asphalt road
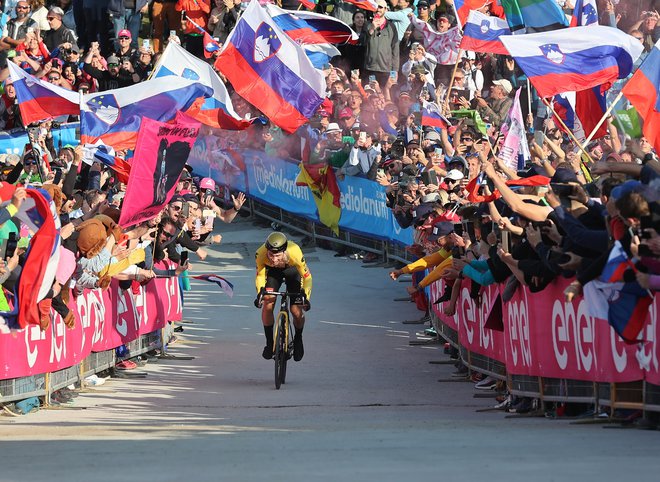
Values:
[(362, 405)]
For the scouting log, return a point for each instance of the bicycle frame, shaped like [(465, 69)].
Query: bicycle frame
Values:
[(282, 341)]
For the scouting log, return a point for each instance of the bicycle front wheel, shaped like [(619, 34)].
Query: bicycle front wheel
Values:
[(280, 351)]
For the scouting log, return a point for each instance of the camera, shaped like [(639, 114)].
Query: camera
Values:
[(562, 190)]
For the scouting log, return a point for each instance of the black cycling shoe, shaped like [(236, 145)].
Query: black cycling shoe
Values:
[(298, 350), (267, 353)]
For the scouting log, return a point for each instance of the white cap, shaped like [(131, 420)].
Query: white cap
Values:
[(505, 84), (454, 175), (333, 127)]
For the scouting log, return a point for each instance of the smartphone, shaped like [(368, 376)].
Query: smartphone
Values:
[(429, 177), (198, 224), (58, 176), (185, 210), (393, 74), (355, 73), (184, 258), (469, 226), (458, 229), (486, 229), (505, 241), (561, 190), (30, 30), (362, 137), (172, 33), (437, 151), (538, 137), (145, 44), (372, 78)]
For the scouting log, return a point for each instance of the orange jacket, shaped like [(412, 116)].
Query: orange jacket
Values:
[(197, 11)]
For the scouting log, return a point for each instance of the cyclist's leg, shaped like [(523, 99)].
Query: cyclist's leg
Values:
[(294, 285), (274, 279)]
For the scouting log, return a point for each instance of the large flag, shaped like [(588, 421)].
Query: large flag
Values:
[(216, 110), (270, 70), (515, 148), (564, 107), (320, 178), (444, 45), (311, 28), (482, 34), (39, 100), (574, 59), (162, 151), (432, 117), (585, 12), (643, 91), (113, 117), (534, 15), (39, 214), (617, 296)]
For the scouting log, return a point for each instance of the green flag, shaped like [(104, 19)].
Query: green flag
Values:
[(474, 116)]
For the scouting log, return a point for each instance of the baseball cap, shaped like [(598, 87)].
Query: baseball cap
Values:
[(124, 33), (323, 113), (422, 3), (433, 136), (440, 229), (625, 188), (382, 3), (345, 113), (563, 175), (459, 159), (113, 59), (505, 84), (454, 175)]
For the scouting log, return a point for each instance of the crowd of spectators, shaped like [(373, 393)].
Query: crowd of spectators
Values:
[(369, 126)]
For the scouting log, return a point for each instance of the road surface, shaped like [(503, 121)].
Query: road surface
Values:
[(363, 404)]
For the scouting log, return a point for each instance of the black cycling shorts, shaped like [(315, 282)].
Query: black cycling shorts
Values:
[(289, 275)]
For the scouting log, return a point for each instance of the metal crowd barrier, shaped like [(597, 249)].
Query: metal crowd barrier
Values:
[(635, 395), (42, 385)]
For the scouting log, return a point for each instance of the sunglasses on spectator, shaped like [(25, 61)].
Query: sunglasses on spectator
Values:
[(167, 234), (30, 162), (113, 65), (50, 18), (22, 8), (466, 139), (175, 208), (123, 37)]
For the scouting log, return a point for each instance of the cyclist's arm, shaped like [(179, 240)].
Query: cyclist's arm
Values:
[(298, 259), (429, 261), (260, 280)]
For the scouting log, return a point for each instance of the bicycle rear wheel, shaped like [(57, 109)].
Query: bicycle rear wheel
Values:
[(280, 353)]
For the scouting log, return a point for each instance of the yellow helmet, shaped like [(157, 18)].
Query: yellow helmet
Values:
[(276, 242)]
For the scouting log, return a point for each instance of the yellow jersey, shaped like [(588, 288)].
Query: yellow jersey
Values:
[(294, 257)]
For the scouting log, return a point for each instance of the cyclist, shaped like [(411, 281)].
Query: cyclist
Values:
[(280, 260)]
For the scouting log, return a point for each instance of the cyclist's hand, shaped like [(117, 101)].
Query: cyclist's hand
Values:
[(259, 300), (306, 305)]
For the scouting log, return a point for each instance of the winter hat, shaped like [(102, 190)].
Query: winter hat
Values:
[(56, 195), (92, 237), (110, 225)]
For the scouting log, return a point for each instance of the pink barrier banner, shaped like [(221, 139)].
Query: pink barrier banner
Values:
[(546, 336), (437, 288), (473, 333), (104, 320)]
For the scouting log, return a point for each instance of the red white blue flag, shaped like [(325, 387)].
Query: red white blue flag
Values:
[(482, 34), (432, 117), (312, 28), (575, 58), (113, 117), (216, 110), (224, 285), (39, 100), (642, 90), (585, 13), (270, 70)]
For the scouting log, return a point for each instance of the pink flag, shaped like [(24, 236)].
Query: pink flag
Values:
[(515, 141), (162, 150)]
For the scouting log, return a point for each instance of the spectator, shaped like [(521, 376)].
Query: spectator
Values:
[(38, 13), (382, 56), (164, 12), (59, 35), (127, 15), (497, 107)]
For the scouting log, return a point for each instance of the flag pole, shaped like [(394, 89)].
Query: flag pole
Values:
[(571, 135), (445, 107), (602, 119), (529, 98)]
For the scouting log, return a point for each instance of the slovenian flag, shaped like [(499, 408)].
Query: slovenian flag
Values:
[(312, 28), (432, 117), (482, 34), (210, 45), (574, 59), (271, 71), (643, 91), (214, 111), (114, 116), (320, 54), (40, 100), (585, 13), (365, 4), (224, 285)]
